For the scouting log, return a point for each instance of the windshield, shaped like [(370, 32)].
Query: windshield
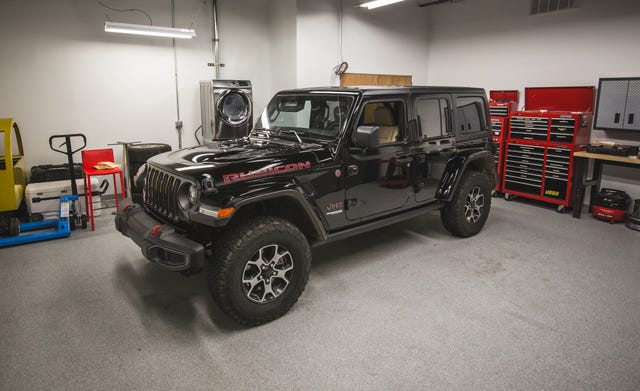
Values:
[(316, 116)]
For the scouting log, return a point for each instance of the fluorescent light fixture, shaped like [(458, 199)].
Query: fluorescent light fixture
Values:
[(378, 3), (154, 31)]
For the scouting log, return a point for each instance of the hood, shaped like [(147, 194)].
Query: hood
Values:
[(241, 160)]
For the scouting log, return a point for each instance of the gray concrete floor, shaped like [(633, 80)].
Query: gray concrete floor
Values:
[(537, 300)]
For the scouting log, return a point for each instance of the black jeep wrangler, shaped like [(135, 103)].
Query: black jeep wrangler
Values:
[(321, 164)]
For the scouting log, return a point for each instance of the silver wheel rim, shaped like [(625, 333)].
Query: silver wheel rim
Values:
[(473, 204), (267, 273)]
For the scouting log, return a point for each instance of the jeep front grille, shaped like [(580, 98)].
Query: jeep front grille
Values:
[(161, 193)]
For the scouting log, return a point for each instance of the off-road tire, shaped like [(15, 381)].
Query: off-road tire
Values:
[(472, 185), (227, 266)]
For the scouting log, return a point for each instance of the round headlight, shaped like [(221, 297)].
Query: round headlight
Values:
[(139, 177), (193, 194), (187, 196)]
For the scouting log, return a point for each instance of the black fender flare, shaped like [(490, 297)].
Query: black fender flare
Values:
[(294, 194), (457, 166)]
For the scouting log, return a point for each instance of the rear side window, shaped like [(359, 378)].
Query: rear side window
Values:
[(433, 116), (470, 114)]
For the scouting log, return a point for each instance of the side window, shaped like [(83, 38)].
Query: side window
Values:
[(16, 151), (433, 117), (388, 116), (470, 114)]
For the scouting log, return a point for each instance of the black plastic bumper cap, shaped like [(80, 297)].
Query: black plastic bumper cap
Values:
[(159, 242)]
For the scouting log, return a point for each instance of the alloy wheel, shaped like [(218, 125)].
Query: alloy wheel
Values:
[(473, 204), (267, 273)]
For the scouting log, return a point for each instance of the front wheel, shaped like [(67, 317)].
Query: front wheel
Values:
[(467, 212), (259, 270)]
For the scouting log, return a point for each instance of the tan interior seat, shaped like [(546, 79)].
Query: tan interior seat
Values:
[(388, 127)]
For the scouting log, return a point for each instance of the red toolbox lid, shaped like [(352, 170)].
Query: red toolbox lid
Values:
[(505, 95), (559, 98)]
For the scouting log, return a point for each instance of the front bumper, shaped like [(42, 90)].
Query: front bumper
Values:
[(159, 242)]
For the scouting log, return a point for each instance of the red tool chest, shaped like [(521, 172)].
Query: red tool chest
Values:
[(542, 138), (501, 104)]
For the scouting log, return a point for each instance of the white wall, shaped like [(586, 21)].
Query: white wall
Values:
[(385, 40), (61, 73), (244, 46), (282, 45), (495, 44)]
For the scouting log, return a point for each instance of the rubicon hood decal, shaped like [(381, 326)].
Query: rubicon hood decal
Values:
[(266, 171)]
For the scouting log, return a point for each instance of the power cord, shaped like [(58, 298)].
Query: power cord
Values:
[(341, 68), (125, 10), (343, 65), (195, 134)]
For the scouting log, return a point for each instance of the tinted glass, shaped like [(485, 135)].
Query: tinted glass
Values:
[(470, 114), (432, 113)]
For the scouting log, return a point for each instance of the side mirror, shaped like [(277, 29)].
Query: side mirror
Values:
[(367, 137)]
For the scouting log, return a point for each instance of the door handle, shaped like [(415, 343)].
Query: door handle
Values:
[(616, 118), (631, 118), (352, 170)]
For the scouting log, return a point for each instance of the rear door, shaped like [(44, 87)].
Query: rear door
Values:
[(434, 145)]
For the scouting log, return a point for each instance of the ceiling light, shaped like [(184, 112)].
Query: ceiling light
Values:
[(154, 31), (378, 3)]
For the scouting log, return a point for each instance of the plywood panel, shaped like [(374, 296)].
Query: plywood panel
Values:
[(370, 79)]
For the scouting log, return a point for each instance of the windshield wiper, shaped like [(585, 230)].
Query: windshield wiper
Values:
[(295, 133), (263, 131)]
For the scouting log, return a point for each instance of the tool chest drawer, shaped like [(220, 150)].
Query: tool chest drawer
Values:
[(497, 126), (526, 152), (499, 111), (524, 168), (529, 128), (562, 130), (522, 186), (496, 156), (558, 163), (557, 167)]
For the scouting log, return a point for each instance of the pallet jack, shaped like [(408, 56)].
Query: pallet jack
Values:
[(68, 217), (61, 225)]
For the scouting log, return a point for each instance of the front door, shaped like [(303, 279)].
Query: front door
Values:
[(379, 181)]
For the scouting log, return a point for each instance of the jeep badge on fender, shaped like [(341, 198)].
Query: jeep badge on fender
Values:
[(321, 164)]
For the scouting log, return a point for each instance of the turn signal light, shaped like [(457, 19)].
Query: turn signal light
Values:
[(225, 212)]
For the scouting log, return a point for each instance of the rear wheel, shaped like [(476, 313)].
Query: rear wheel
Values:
[(259, 270), (468, 210)]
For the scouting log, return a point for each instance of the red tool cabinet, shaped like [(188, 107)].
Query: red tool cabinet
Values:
[(501, 104), (539, 159)]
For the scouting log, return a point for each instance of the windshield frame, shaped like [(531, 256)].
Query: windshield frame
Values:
[(307, 134)]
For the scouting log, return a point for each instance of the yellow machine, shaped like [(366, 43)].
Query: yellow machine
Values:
[(13, 178)]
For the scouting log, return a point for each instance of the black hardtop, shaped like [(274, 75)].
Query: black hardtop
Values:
[(386, 90)]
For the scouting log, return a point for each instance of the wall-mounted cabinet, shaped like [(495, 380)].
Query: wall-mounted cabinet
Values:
[(618, 104)]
